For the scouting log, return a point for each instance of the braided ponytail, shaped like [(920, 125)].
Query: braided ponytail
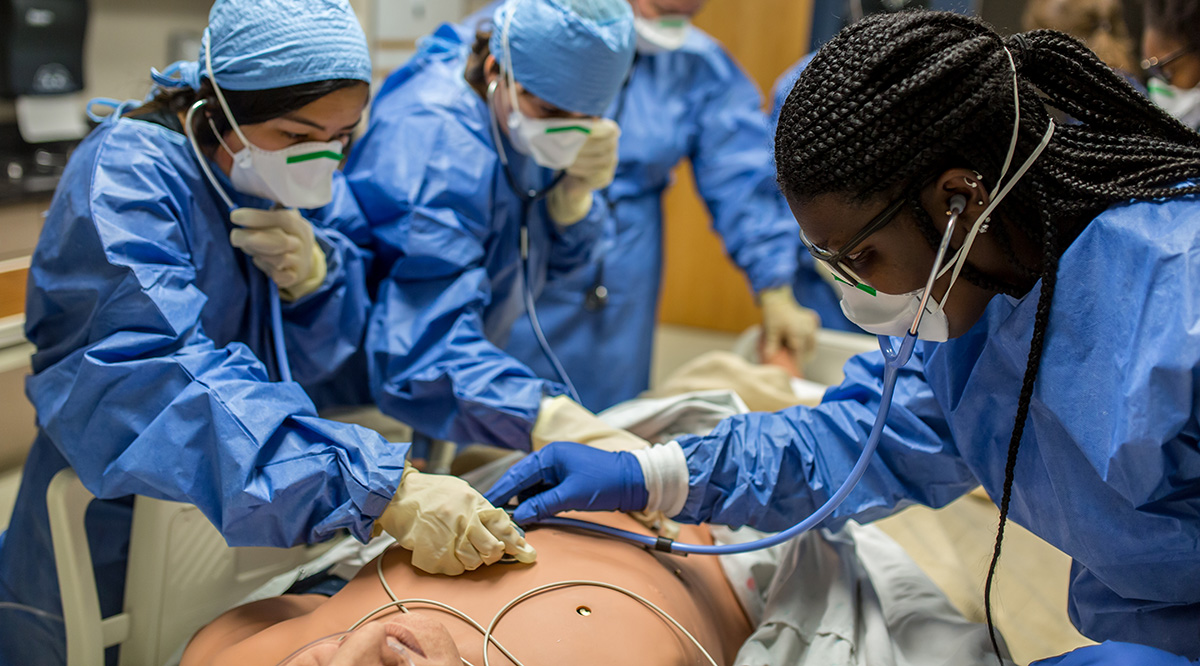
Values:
[(897, 98)]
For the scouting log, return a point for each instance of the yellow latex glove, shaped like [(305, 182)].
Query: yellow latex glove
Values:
[(594, 169), (787, 325), (282, 245), (561, 419), (449, 527)]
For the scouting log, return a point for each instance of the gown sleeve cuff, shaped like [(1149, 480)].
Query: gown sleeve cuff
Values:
[(666, 472)]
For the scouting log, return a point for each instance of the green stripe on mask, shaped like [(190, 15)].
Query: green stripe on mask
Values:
[(324, 154), (569, 128), (860, 287)]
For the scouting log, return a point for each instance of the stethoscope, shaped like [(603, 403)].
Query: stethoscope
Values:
[(528, 197), (281, 355), (595, 298), (895, 357)]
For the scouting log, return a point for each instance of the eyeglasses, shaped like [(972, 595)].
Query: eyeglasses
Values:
[(1154, 66), (834, 259)]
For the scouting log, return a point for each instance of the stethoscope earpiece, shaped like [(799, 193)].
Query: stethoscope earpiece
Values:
[(958, 203)]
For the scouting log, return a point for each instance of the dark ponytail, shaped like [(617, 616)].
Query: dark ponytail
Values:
[(898, 98)]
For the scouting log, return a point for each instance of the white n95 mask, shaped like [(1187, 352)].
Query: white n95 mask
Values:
[(1183, 103), (299, 176), (665, 33), (553, 143), (893, 314)]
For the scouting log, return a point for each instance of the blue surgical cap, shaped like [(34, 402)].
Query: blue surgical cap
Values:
[(574, 54), (264, 44)]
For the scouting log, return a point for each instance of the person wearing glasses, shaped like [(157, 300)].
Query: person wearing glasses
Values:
[(158, 369), (1057, 359), (1171, 47)]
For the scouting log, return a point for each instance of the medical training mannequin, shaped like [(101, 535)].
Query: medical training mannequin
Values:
[(1171, 48), (491, 195), (1061, 373), (545, 629), (149, 304), (685, 99)]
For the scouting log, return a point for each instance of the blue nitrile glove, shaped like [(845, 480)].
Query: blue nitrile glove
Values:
[(565, 476), (1113, 653)]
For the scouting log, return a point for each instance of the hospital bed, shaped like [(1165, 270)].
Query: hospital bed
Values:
[(181, 572)]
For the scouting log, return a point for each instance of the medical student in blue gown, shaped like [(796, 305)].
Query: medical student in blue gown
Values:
[(686, 98), (155, 372), (478, 174), (1061, 374)]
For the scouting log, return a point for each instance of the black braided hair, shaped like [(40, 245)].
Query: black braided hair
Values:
[(898, 98)]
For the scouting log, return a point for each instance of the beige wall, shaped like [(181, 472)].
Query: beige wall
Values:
[(125, 38)]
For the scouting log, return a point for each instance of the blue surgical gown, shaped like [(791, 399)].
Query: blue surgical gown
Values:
[(153, 375), (697, 104), (1109, 463), (446, 226)]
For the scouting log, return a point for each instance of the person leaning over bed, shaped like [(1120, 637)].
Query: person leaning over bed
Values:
[(1063, 371), (148, 301)]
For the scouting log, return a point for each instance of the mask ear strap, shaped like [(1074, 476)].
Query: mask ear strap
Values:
[(220, 139), (509, 75), (1012, 144), (960, 257), (987, 212)]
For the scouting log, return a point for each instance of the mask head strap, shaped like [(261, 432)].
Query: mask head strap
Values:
[(221, 96), (960, 257)]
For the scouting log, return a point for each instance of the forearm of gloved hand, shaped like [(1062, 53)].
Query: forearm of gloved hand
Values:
[(561, 419), (282, 244), (449, 527), (594, 169), (787, 325)]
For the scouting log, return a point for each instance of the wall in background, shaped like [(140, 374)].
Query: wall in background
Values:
[(125, 38)]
